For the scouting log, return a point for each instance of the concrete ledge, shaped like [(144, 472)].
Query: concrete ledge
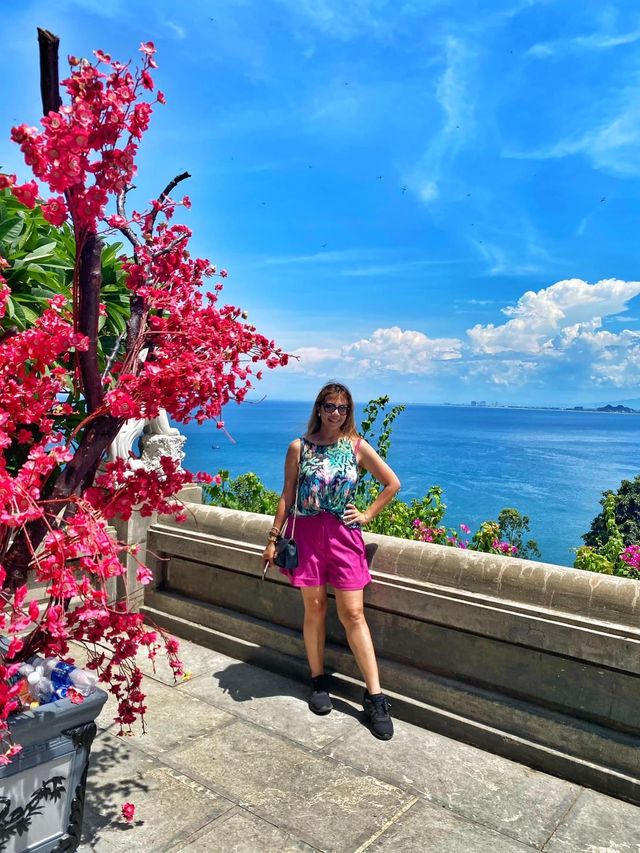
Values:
[(556, 588), (493, 650)]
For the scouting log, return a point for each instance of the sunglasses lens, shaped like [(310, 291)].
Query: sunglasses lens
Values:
[(331, 407)]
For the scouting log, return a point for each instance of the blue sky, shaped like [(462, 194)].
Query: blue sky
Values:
[(435, 200)]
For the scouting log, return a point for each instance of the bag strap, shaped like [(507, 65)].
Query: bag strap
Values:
[(295, 505)]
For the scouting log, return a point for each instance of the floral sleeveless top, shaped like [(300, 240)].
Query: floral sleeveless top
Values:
[(328, 477)]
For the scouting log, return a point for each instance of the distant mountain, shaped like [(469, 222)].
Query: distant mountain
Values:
[(631, 404), (609, 408)]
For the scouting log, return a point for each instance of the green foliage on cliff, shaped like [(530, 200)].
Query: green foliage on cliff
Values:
[(627, 515)]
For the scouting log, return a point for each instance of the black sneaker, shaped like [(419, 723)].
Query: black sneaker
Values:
[(320, 701), (376, 709)]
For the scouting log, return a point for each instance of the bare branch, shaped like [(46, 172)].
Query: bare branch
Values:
[(114, 353), (174, 244), (166, 192), (49, 80), (124, 229)]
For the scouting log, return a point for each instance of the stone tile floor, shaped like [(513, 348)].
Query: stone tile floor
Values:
[(234, 761)]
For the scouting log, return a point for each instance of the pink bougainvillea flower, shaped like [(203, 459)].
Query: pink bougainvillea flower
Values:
[(26, 194), (190, 356), (144, 575), (128, 812), (55, 210)]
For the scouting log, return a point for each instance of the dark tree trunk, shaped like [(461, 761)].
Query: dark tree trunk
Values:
[(77, 475), (89, 283), (49, 81)]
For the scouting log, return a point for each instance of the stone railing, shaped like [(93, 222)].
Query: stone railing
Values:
[(533, 661)]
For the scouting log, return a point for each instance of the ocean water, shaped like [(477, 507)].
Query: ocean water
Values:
[(550, 465)]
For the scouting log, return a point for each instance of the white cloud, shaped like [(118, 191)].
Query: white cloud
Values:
[(523, 256), (345, 20), (338, 256), (539, 317), (452, 93), (307, 359), (177, 29), (621, 370), (361, 263), (403, 351), (428, 191), (550, 335), (388, 350), (507, 372), (397, 268), (594, 41), (612, 143)]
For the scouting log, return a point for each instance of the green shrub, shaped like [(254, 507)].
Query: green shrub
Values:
[(246, 492)]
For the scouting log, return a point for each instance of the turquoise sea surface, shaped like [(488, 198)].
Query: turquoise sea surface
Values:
[(550, 465)]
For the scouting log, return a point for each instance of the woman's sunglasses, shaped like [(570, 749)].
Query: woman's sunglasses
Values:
[(330, 408)]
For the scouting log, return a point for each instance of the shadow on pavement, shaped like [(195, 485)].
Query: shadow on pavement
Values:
[(244, 682), (106, 791)]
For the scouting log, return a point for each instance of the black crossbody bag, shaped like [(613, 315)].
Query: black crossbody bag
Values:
[(286, 549), (286, 556)]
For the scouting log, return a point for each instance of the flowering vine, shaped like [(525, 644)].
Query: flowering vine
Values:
[(64, 394)]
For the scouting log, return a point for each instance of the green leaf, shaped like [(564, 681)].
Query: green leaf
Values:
[(41, 252), (10, 308), (11, 228), (25, 315)]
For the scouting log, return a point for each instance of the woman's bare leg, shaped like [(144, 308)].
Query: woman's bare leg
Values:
[(314, 629), (350, 604)]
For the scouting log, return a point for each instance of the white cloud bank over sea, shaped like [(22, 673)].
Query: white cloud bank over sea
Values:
[(557, 327)]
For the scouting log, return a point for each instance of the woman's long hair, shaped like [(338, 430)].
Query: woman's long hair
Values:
[(348, 428)]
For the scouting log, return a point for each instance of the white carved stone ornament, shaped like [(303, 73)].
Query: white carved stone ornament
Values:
[(159, 439)]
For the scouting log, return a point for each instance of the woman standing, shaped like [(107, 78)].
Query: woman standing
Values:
[(324, 465)]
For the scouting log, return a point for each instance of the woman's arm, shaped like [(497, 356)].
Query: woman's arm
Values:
[(287, 498), (385, 475)]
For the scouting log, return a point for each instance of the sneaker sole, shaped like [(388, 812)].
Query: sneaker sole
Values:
[(380, 737), (321, 712), (367, 723)]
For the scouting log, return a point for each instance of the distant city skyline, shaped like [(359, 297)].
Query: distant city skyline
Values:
[(419, 198)]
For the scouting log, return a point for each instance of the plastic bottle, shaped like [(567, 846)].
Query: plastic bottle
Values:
[(66, 675), (40, 686)]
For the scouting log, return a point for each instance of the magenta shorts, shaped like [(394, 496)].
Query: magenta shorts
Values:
[(328, 552)]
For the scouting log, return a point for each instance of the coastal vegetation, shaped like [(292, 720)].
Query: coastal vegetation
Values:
[(612, 542)]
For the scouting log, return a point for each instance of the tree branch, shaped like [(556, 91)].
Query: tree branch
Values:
[(128, 232), (166, 192), (90, 280), (172, 245), (114, 353), (49, 80), (95, 440)]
